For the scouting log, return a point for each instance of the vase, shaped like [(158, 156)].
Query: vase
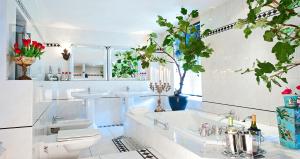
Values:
[(291, 100), (178, 102), (24, 62)]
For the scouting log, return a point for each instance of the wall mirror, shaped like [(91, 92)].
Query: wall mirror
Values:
[(88, 63)]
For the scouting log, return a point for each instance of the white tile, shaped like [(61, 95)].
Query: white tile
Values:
[(125, 155), (85, 153), (105, 133), (117, 131), (104, 146)]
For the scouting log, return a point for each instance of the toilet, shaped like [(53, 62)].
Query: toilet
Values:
[(67, 144)]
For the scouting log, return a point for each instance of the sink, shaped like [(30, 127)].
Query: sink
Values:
[(133, 93), (90, 102), (70, 124), (86, 95)]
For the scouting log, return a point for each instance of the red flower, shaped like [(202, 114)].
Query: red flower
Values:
[(26, 43), (18, 51), (43, 47), (34, 44), (298, 87), (287, 91), (16, 46)]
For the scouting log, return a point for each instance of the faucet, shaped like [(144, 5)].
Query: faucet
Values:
[(89, 90), (127, 88), (55, 118), (165, 125)]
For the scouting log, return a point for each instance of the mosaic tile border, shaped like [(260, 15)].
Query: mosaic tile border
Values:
[(120, 145), (265, 14), (147, 154), (113, 125)]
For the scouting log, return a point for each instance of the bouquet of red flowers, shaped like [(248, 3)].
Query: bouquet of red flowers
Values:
[(29, 49)]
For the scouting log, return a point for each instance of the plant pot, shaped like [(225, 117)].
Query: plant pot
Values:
[(291, 100), (24, 62), (178, 102)]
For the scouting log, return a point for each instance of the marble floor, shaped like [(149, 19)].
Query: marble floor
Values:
[(113, 145)]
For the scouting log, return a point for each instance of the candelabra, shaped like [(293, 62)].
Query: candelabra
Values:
[(159, 88)]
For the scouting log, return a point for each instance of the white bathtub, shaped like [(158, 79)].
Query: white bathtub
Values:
[(183, 141)]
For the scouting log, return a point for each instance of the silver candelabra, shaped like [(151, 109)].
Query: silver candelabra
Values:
[(159, 88)]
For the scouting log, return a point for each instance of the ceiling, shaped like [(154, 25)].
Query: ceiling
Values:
[(59, 20)]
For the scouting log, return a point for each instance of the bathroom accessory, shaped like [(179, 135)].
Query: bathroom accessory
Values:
[(68, 143), (159, 88)]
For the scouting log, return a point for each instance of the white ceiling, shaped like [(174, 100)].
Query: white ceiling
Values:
[(130, 17)]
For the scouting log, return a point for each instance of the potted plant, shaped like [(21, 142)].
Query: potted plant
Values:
[(290, 99), (26, 55), (190, 46)]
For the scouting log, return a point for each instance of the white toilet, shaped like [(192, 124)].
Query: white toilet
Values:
[(67, 144)]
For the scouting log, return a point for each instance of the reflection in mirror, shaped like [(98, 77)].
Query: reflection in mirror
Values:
[(126, 66), (89, 63)]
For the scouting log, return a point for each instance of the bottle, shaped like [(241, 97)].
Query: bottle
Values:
[(230, 127), (253, 128)]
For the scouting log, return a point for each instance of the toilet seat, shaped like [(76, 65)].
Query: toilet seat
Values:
[(76, 134)]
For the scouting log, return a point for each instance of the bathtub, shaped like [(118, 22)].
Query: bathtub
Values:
[(181, 138)]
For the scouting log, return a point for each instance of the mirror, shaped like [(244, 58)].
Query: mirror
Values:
[(88, 63), (126, 66)]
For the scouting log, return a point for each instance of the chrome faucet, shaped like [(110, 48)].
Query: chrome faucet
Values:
[(55, 118), (165, 125), (89, 90)]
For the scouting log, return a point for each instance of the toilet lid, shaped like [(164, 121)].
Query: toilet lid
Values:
[(76, 134)]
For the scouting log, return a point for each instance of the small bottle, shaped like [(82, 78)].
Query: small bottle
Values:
[(253, 128), (59, 76), (69, 76), (230, 127)]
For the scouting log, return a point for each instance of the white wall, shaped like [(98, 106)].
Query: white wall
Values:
[(221, 83)]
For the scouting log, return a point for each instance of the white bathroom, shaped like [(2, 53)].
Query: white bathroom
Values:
[(138, 79)]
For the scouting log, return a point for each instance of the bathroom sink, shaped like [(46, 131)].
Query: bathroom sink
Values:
[(70, 124), (87, 95), (133, 93)]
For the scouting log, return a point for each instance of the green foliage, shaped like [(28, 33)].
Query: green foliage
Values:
[(192, 47), (126, 65), (279, 29)]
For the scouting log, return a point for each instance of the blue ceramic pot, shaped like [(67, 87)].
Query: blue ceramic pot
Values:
[(178, 102)]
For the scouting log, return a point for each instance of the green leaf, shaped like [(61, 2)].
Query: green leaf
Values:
[(251, 16), (283, 51), (269, 35), (183, 11), (198, 68), (266, 67), (247, 32), (195, 13)]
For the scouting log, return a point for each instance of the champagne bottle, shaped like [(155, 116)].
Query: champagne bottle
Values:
[(253, 128)]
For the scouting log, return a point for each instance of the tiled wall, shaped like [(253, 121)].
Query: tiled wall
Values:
[(221, 84)]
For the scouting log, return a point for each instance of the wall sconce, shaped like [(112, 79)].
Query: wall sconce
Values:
[(66, 54)]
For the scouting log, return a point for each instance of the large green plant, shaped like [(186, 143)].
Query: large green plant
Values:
[(283, 29), (191, 46), (126, 65)]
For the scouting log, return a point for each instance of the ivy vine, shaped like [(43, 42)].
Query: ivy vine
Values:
[(283, 30)]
